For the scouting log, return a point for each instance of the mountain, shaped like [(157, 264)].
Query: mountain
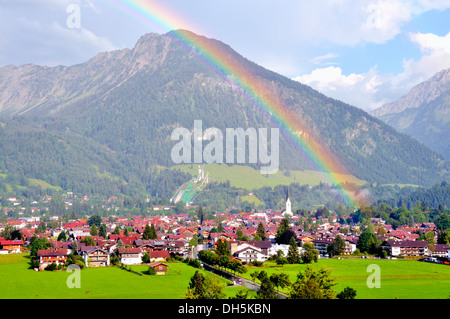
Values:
[(423, 113), (105, 125)]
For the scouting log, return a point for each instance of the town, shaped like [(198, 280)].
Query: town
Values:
[(252, 237)]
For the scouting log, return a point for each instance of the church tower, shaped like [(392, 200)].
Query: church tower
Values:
[(288, 209)]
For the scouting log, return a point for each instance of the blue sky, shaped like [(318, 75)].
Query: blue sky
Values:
[(363, 52)]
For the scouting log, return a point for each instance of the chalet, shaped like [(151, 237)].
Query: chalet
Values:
[(63, 245), (406, 247), (49, 256), (275, 248), (321, 244), (130, 256), (178, 246), (250, 253), (159, 255), (95, 256), (12, 246), (350, 245), (160, 268), (264, 246), (128, 241), (441, 250), (216, 236)]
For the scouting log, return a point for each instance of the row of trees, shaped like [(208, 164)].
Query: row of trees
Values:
[(309, 284)]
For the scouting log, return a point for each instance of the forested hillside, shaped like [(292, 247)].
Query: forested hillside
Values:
[(104, 126)]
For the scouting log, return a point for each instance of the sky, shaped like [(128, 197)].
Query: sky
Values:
[(363, 52)]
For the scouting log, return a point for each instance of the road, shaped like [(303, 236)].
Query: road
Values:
[(237, 280)]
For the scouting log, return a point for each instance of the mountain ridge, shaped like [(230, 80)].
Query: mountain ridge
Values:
[(130, 100), (423, 113)]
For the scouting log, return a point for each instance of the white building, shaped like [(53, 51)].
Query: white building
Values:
[(130, 256), (250, 253), (288, 210)]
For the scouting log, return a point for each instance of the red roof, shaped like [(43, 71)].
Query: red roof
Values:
[(52, 252), (159, 254), (129, 250), (11, 242)]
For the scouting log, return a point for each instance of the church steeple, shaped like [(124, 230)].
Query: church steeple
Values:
[(288, 209)]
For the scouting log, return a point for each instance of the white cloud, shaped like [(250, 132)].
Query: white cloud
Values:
[(355, 89), (349, 22), (429, 42), (371, 89), (329, 79), (384, 20), (320, 59)]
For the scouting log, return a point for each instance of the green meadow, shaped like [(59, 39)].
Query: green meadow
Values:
[(403, 279), (19, 282), (250, 178)]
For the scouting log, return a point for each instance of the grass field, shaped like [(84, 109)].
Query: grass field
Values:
[(403, 279), (19, 282), (250, 178)]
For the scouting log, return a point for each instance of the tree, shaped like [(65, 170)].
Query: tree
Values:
[(153, 234), (201, 287), (7, 231), (280, 280), (147, 232), (284, 232), (261, 231), (240, 235), (222, 247), (116, 230), (367, 242), (443, 237), (338, 245), (62, 236), (95, 220), (88, 240), (41, 229), (241, 294), (282, 261), (200, 215), (196, 288), (310, 253), (293, 255), (442, 222), (102, 231), (38, 244), (266, 289), (94, 231), (313, 284), (347, 293), (146, 258)]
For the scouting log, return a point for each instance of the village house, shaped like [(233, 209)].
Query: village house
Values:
[(250, 253), (12, 246), (157, 255), (49, 256), (130, 256), (321, 244), (275, 248), (441, 250), (95, 256), (350, 245), (406, 247), (160, 268)]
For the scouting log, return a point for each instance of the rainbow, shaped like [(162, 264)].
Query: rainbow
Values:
[(154, 15)]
